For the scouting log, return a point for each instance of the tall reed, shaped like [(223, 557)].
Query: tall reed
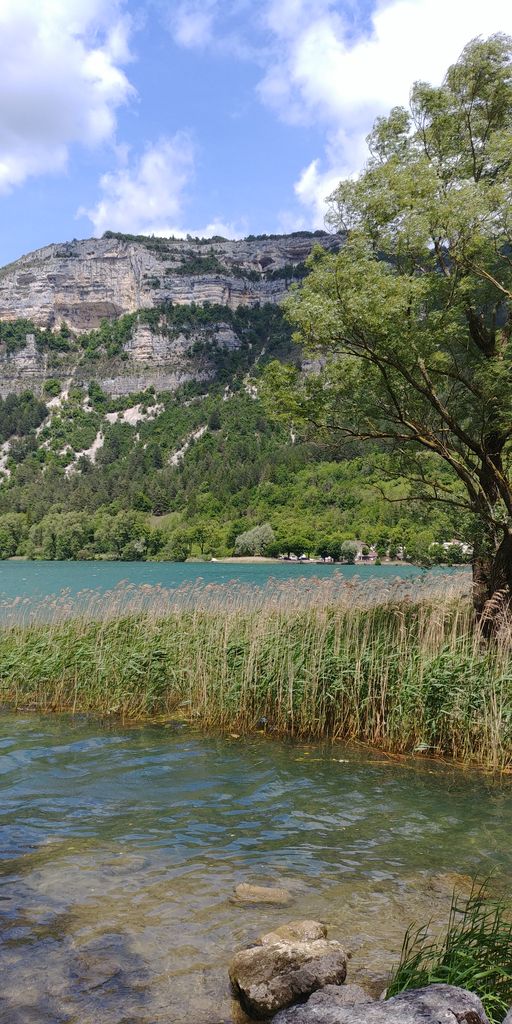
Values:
[(401, 669)]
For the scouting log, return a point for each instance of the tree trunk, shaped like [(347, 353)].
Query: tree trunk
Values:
[(492, 585)]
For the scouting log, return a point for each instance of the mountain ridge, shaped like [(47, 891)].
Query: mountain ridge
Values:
[(141, 433), (85, 281), (56, 304)]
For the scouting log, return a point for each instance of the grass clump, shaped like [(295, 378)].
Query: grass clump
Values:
[(475, 954)]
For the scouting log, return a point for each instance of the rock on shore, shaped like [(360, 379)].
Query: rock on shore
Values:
[(435, 1004), (285, 966)]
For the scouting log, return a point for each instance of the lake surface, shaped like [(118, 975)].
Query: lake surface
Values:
[(38, 579), (33, 589), (120, 847)]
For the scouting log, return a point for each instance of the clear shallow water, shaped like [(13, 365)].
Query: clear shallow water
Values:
[(120, 847)]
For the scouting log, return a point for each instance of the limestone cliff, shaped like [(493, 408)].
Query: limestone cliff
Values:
[(83, 282)]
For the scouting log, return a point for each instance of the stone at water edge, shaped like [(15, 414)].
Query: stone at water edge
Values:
[(246, 893), (268, 977), (295, 931), (435, 1004)]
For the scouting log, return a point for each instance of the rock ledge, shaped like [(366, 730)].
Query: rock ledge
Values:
[(435, 1004)]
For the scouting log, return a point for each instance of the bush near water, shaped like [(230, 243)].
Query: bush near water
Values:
[(475, 953)]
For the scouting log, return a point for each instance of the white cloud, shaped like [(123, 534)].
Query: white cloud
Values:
[(342, 79), (148, 197), (312, 188), (220, 25), (191, 23), (326, 76), (61, 82), (327, 65), (227, 229)]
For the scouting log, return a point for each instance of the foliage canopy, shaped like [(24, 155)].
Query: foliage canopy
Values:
[(411, 320)]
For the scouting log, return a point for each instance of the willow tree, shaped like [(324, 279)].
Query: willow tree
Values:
[(410, 323)]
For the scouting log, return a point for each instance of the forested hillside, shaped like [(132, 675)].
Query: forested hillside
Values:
[(146, 436), (169, 475)]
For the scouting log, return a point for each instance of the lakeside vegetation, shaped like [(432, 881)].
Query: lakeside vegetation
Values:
[(410, 322), (475, 953), (377, 438), (401, 669)]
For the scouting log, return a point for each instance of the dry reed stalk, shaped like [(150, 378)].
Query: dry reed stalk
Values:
[(399, 666)]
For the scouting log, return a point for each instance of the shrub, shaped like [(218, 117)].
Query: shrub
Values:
[(214, 420), (20, 414), (52, 387)]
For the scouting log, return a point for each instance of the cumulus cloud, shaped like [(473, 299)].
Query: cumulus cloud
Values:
[(329, 74), (62, 81), (148, 196), (313, 186), (336, 65)]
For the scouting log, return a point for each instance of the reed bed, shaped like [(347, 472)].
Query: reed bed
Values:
[(399, 666), (301, 592)]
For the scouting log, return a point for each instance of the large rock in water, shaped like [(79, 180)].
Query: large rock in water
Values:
[(435, 1004), (287, 967)]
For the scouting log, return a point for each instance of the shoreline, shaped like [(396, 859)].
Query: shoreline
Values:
[(357, 748), (262, 559), (241, 560), (348, 672)]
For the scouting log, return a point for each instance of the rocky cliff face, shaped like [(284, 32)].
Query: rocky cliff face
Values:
[(82, 282), (163, 363)]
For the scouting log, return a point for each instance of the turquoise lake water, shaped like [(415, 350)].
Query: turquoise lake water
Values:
[(38, 579), (33, 589), (120, 848)]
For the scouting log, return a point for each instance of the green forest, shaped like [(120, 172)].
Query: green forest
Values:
[(201, 467)]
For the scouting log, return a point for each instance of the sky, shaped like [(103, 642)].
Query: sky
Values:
[(228, 117)]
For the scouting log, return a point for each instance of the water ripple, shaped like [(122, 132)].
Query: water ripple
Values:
[(119, 850)]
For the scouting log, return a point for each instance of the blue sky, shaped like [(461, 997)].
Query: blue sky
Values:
[(203, 116)]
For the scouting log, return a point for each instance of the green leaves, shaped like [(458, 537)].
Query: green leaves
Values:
[(409, 325)]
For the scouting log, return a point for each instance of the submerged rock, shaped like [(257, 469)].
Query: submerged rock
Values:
[(296, 931), (246, 893), (435, 1004), (275, 974), (448, 882)]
